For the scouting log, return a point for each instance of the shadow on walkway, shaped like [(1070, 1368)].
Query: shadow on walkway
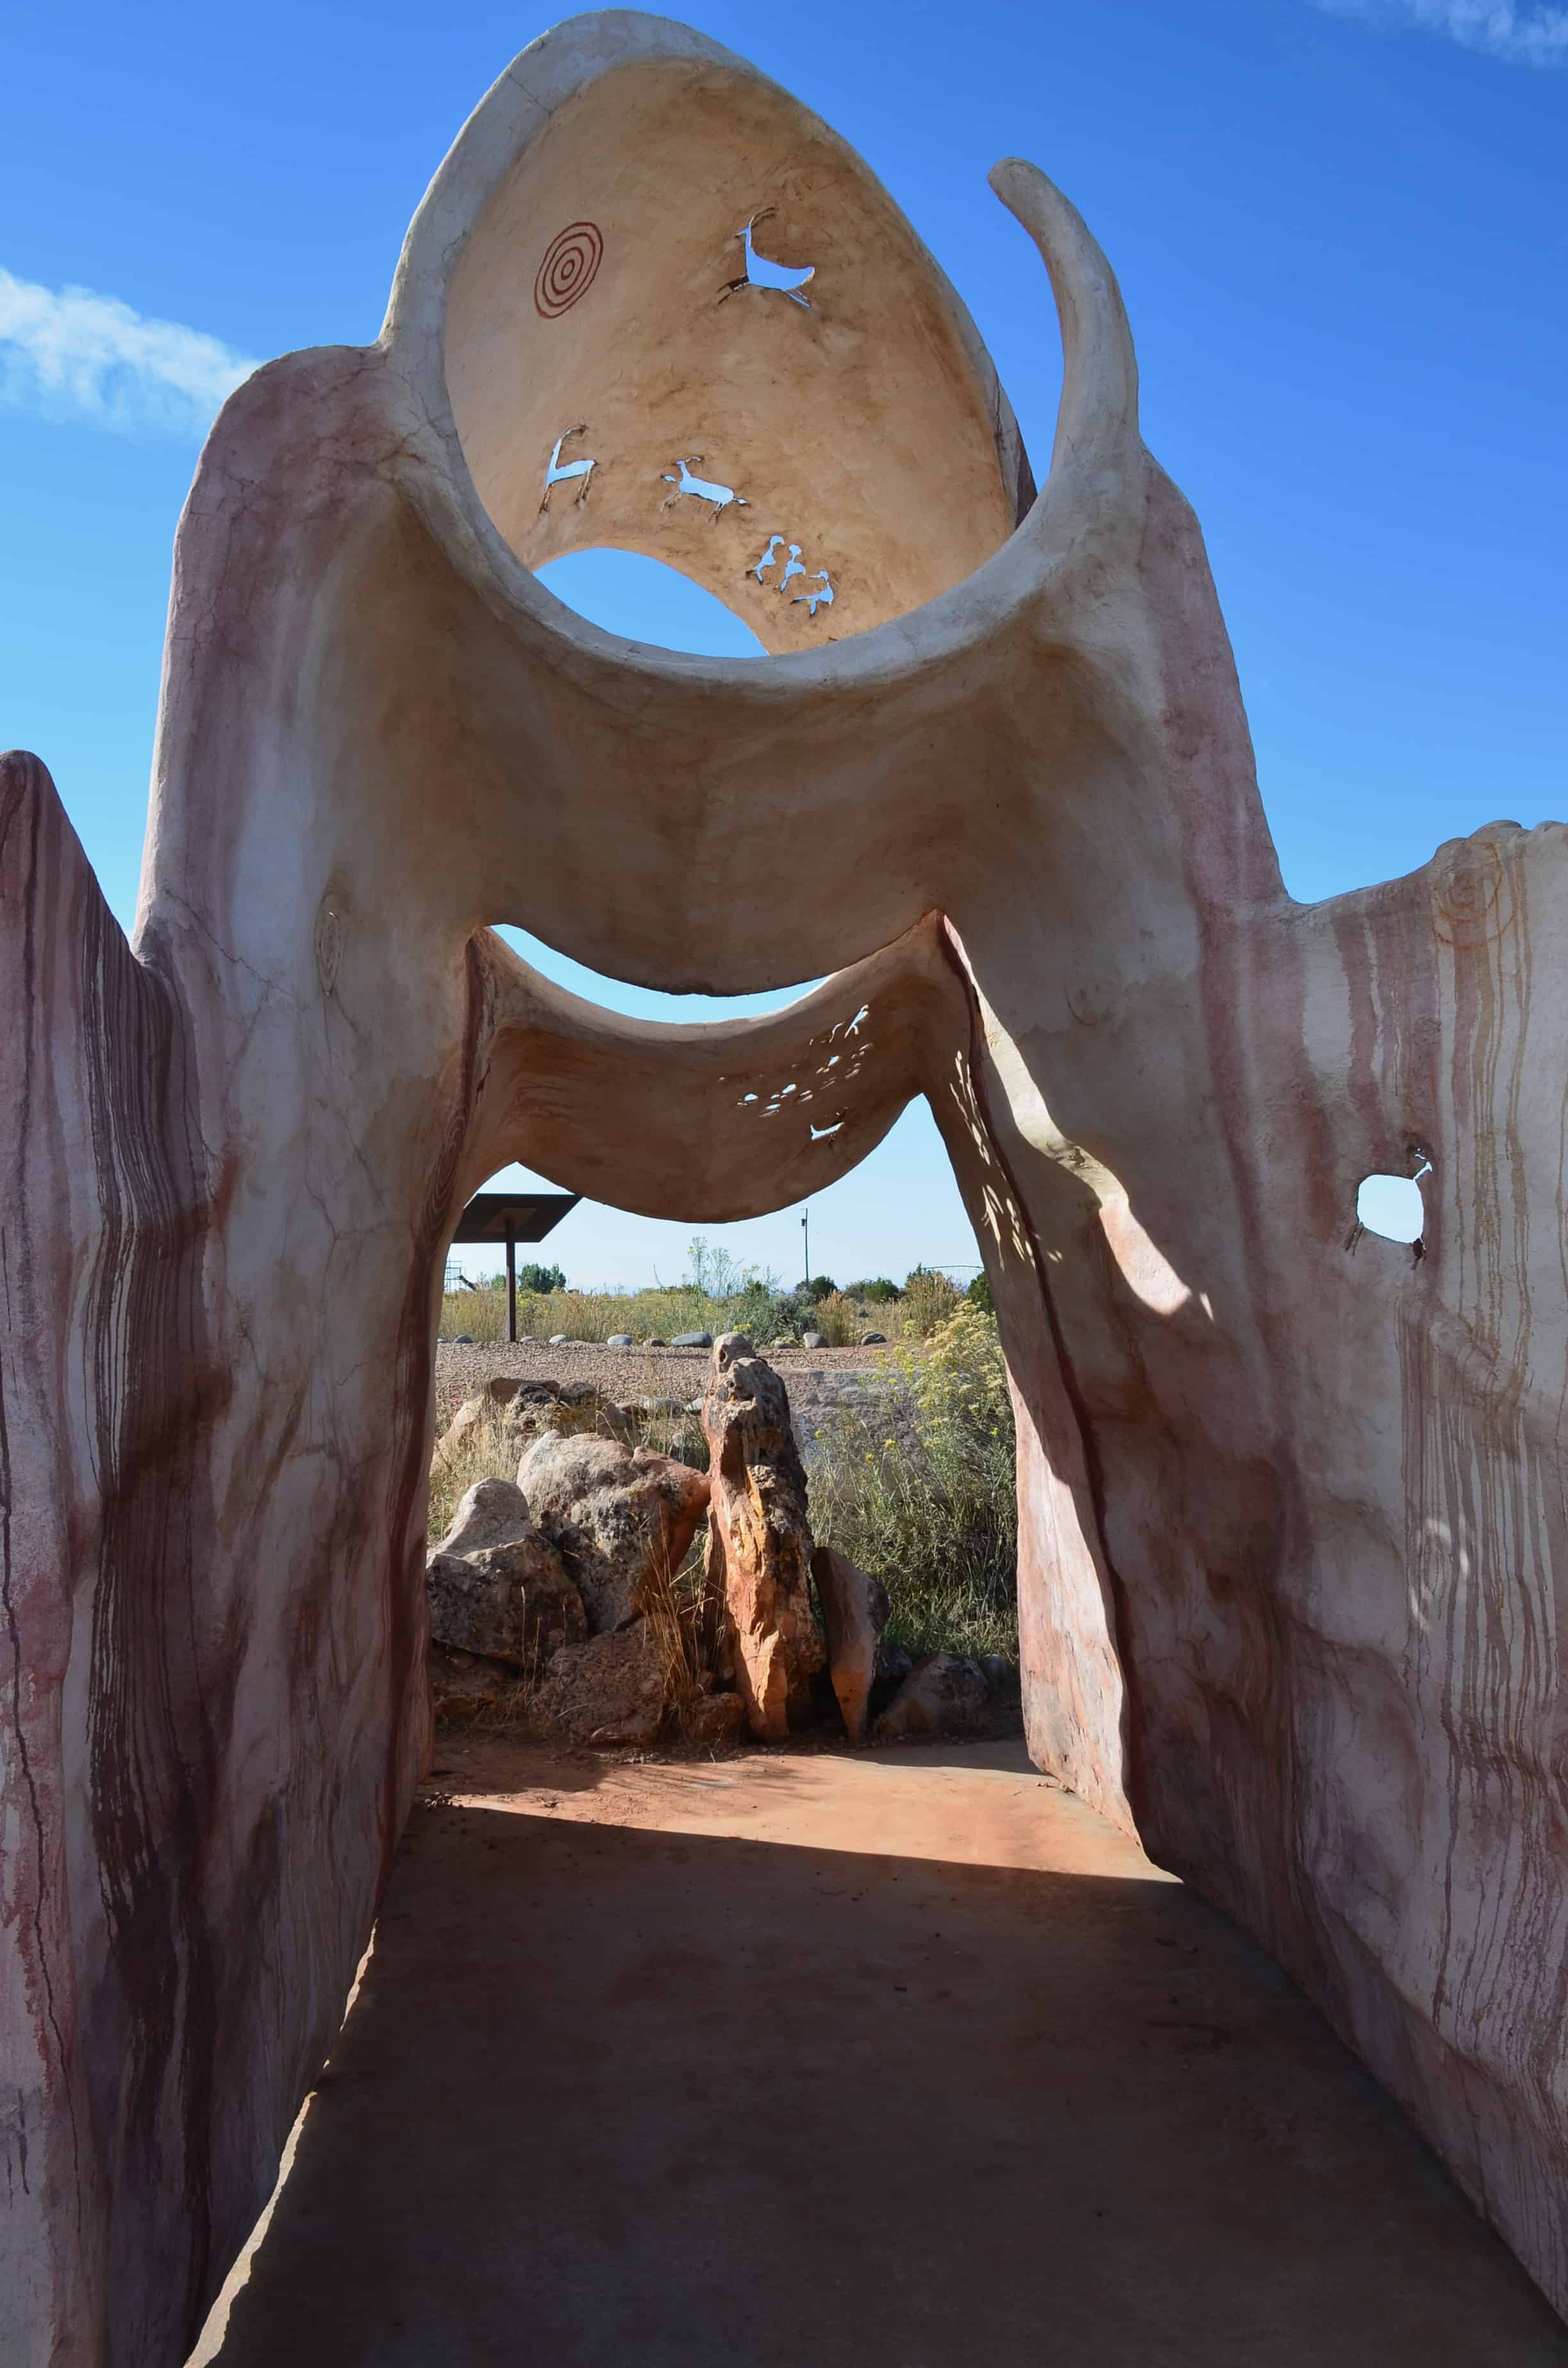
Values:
[(623, 2086)]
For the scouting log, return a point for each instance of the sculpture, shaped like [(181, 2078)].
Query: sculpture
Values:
[(1292, 1516)]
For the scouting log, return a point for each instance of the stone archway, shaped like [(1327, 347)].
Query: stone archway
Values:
[(1306, 1647)]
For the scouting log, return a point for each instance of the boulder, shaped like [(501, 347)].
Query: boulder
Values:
[(560, 1339), (490, 1514), (621, 1517), (874, 1340), (691, 1340), (655, 1342), (715, 1722), (618, 1340), (813, 1339), (855, 1612), (462, 1684), (942, 1695), (759, 1541), (609, 1690), (512, 1603)]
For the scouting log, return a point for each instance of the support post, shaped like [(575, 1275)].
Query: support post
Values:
[(511, 1279)]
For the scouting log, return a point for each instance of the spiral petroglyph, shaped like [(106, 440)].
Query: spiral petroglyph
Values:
[(570, 265)]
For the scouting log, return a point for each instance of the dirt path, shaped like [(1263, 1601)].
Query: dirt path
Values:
[(800, 2061)]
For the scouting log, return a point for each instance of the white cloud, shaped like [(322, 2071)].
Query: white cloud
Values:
[(76, 356), (1528, 35)]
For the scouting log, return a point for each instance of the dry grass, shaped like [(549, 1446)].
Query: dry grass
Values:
[(660, 1315), (935, 1518)]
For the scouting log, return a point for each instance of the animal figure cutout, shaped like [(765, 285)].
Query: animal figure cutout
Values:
[(760, 273), (706, 491), (559, 471), (794, 565)]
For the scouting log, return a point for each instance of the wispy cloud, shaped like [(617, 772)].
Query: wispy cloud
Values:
[(74, 355), (1519, 36)]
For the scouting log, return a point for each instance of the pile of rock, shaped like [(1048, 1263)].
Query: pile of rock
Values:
[(548, 1580), (559, 1586)]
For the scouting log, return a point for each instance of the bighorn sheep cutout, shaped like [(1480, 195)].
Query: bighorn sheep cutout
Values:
[(1292, 1553)]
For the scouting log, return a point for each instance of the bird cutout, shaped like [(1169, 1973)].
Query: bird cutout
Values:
[(758, 565), (560, 472), (760, 273), (719, 496), (792, 566), (816, 600)]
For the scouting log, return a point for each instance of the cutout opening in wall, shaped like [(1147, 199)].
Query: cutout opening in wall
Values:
[(646, 601), (1393, 1207)]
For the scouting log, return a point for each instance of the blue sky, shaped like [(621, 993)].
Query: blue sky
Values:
[(1342, 232)]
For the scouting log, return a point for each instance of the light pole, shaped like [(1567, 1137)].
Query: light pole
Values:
[(806, 1233)]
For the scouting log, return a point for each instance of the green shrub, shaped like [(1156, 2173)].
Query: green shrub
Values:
[(935, 1518), (876, 1292), (979, 1294)]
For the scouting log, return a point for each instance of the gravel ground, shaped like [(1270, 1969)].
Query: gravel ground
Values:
[(620, 1373)]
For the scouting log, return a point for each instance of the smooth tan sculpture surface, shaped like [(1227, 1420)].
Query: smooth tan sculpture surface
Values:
[(1291, 1494)]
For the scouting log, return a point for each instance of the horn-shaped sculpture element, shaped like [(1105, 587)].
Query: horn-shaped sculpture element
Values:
[(1291, 1508)]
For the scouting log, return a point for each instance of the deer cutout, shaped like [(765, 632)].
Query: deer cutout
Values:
[(760, 273), (766, 559), (706, 491), (815, 599), (560, 471), (791, 566)]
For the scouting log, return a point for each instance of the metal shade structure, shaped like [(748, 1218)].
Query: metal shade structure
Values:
[(512, 1217)]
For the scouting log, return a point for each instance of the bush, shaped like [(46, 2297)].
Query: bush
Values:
[(838, 1320), (979, 1294), (934, 1516), (929, 1298), (876, 1292)]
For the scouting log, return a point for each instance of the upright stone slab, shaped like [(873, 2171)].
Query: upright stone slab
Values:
[(759, 1541)]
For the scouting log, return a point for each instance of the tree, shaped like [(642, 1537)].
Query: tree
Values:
[(541, 1279)]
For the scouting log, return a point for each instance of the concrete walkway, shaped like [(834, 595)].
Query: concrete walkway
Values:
[(801, 2061)]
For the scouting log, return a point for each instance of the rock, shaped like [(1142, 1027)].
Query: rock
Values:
[(461, 1684), (942, 1695), (691, 1340), (513, 1603), (618, 1340), (559, 1340), (476, 1413), (759, 1541), (621, 1517), (492, 1513), (609, 1690), (463, 1340), (855, 1612), (655, 1343), (874, 1340), (813, 1339), (715, 1720)]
